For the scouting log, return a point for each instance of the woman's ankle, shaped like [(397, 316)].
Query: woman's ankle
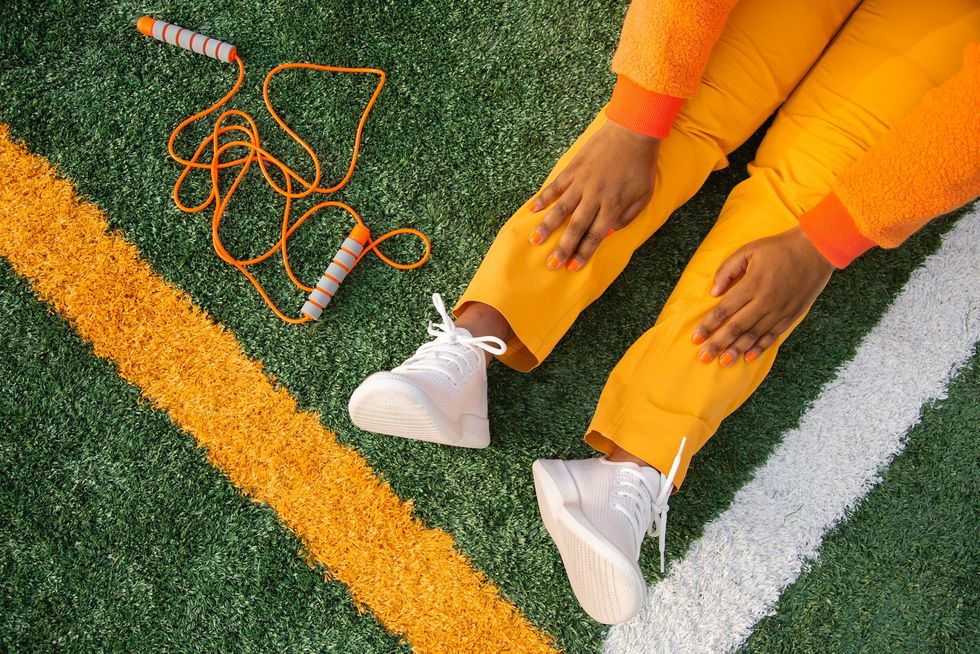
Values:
[(619, 455), (481, 319)]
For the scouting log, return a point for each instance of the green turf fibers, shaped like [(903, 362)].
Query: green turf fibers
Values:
[(482, 98), (116, 534), (901, 574)]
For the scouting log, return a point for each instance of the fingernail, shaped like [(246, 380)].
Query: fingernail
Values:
[(533, 207), (726, 359), (697, 338), (573, 265), (552, 262), (535, 238), (751, 356), (714, 291), (705, 356), (612, 230)]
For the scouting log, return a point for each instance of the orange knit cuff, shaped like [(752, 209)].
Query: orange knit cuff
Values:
[(641, 110), (832, 230)]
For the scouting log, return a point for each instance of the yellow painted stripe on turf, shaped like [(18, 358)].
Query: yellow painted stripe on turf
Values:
[(410, 576)]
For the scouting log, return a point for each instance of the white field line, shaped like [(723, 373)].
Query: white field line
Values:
[(734, 574)]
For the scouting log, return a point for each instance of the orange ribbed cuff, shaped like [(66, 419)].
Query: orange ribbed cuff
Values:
[(641, 110), (832, 230)]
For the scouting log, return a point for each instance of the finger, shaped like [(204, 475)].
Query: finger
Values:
[(560, 211), (590, 242), (714, 319), (740, 322), (605, 229), (632, 212), (550, 192), (760, 346), (747, 340), (730, 271), (577, 228), (767, 340)]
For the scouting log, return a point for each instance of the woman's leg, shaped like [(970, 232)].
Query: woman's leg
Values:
[(439, 394), (766, 48), (887, 56)]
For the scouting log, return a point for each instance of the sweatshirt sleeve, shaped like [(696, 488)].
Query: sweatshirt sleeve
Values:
[(927, 165), (663, 49)]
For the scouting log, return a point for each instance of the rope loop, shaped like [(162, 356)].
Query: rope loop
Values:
[(234, 143)]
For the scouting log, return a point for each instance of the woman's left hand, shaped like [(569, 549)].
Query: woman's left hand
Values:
[(765, 287)]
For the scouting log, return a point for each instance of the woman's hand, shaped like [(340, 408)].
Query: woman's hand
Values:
[(766, 285), (603, 189)]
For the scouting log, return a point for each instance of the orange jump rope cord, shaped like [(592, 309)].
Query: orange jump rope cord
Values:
[(256, 154)]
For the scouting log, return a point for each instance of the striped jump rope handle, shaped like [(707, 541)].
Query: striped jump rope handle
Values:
[(176, 35), (342, 264)]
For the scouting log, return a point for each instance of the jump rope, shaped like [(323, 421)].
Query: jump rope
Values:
[(358, 242)]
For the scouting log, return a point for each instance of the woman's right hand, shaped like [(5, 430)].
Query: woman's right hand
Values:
[(607, 184)]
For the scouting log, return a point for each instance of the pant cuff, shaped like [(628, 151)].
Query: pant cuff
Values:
[(654, 438), (532, 342)]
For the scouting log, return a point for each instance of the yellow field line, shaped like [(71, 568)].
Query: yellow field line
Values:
[(410, 576)]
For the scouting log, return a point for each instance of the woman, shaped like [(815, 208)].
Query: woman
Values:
[(875, 135)]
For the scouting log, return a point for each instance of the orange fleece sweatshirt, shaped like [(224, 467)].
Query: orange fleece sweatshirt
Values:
[(925, 166), (663, 49)]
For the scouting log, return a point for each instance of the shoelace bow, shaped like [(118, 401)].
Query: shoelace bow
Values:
[(646, 510), (447, 336)]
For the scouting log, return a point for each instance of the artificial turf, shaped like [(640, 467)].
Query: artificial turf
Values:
[(463, 132), (118, 536), (900, 575)]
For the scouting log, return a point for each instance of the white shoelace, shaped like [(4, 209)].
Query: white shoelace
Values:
[(445, 348), (646, 511)]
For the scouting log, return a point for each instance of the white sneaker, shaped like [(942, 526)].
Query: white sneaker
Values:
[(437, 395), (597, 512)]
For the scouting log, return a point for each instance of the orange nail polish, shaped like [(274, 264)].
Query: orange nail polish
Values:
[(612, 230), (751, 356), (535, 238), (697, 338), (573, 265), (726, 359), (705, 356), (552, 262)]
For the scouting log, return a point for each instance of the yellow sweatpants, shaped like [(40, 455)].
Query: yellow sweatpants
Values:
[(843, 76)]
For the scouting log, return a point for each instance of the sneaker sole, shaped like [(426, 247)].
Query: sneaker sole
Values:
[(384, 404), (606, 583)]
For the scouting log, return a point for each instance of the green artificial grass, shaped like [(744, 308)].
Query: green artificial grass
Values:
[(116, 533), (482, 98), (901, 575)]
